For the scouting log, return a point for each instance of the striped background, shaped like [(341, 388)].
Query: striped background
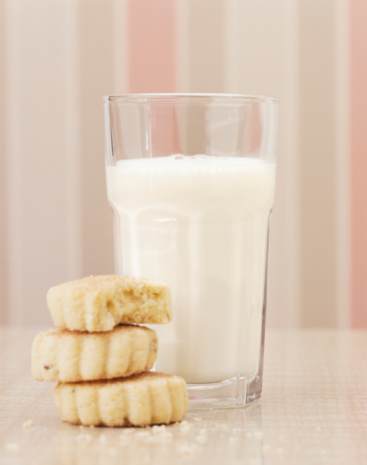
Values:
[(57, 60)]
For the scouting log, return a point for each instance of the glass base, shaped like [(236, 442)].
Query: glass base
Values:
[(231, 393)]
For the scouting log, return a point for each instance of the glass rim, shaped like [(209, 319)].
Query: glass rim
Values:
[(205, 97)]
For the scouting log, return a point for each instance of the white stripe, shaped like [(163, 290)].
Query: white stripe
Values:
[(342, 194)]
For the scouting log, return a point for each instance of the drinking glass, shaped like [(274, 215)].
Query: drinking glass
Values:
[(190, 178)]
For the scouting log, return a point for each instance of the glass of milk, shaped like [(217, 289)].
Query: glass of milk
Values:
[(190, 178)]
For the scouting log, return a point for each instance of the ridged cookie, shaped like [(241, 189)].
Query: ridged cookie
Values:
[(62, 355), (98, 303), (144, 399)]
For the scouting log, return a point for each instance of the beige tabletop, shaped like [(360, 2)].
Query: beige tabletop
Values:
[(313, 411)]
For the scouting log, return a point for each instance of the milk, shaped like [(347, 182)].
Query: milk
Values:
[(199, 224)]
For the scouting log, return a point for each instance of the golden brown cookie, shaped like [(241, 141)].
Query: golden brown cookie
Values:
[(98, 303), (140, 400), (62, 355)]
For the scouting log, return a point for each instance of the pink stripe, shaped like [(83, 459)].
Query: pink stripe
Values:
[(152, 65), (151, 46), (358, 132)]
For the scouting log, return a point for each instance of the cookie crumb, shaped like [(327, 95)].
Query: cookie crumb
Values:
[(124, 439), (158, 428), (83, 438), (142, 434), (12, 446), (201, 439), (188, 449), (185, 427), (166, 435), (197, 419), (28, 424), (129, 431)]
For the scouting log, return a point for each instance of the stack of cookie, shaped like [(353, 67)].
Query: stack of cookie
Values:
[(100, 356)]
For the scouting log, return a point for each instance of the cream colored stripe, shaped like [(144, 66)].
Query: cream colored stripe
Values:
[(72, 151), (182, 32), (40, 179), (262, 58), (205, 50), (318, 165), (121, 46), (96, 79), (232, 43), (3, 221), (206, 45), (13, 219), (289, 159), (342, 72)]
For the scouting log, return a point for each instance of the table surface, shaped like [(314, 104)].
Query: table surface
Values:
[(313, 411)]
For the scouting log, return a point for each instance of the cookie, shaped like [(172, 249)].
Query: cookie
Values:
[(62, 355), (141, 400), (98, 303)]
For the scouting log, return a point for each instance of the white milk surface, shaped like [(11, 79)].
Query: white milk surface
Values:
[(199, 224)]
